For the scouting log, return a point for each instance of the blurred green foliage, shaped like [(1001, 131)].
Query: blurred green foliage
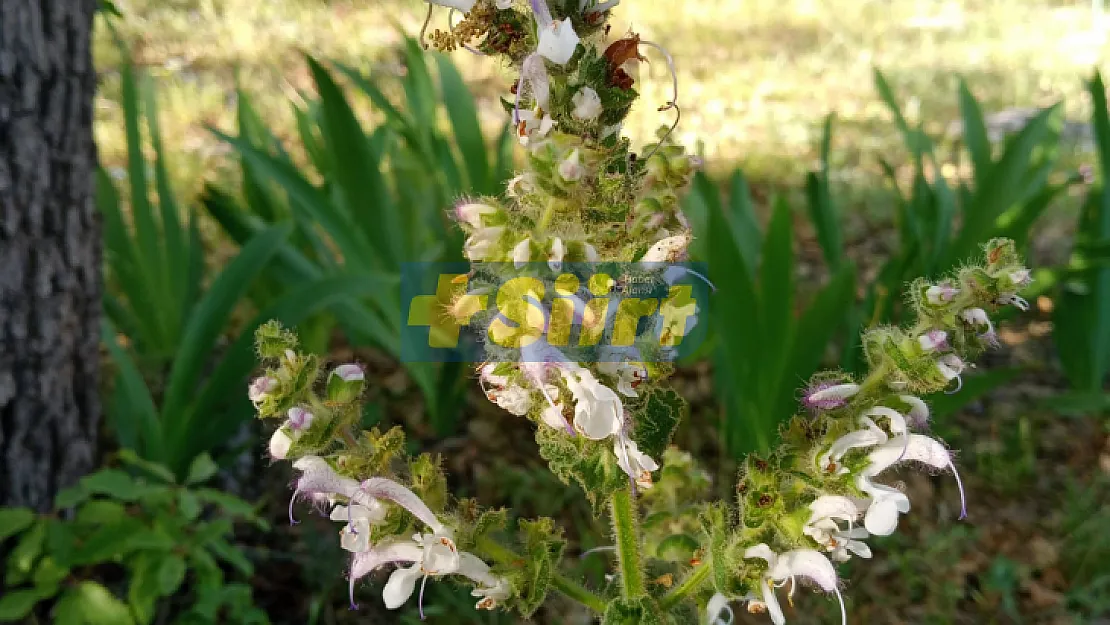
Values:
[(382, 200), (169, 537)]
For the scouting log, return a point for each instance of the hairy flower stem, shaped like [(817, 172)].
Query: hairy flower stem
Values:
[(569, 588), (627, 535), (690, 585)]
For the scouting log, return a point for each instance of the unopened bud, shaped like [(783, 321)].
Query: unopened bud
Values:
[(345, 383)]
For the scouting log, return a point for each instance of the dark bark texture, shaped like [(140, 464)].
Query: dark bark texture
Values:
[(49, 250)]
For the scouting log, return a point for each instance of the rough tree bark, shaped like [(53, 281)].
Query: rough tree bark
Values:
[(49, 249)]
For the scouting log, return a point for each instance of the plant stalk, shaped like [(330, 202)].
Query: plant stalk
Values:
[(627, 535), (690, 585), (568, 587)]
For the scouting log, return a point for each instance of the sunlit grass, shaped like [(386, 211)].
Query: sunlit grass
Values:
[(756, 76)]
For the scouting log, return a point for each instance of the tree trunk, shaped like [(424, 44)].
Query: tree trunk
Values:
[(49, 250)]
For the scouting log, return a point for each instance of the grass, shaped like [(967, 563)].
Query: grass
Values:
[(756, 77)]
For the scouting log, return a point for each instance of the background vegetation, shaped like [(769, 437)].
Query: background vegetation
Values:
[(243, 180)]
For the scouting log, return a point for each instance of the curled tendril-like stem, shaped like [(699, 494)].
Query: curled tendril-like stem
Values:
[(673, 103), (424, 27)]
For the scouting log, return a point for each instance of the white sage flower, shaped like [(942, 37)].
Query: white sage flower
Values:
[(429, 555), (280, 442), (514, 398), (522, 253), (558, 41), (555, 253), (473, 213), (788, 566), (919, 411), (622, 363), (718, 611), (887, 503), (978, 319), (260, 388), (481, 242), (940, 294), (824, 527), (828, 396), (638, 465), (598, 412), (355, 536), (952, 368), (571, 169), (587, 105), (933, 341), (533, 127), (870, 436), (668, 250)]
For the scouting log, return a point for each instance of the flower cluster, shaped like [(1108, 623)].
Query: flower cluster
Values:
[(585, 196), (352, 478), (818, 498)]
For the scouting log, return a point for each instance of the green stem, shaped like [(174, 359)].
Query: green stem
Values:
[(569, 588), (690, 585), (627, 536), (875, 378)]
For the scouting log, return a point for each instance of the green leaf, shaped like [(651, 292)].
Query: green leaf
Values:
[(15, 605), (48, 574), (201, 470), (464, 120), (69, 497), (776, 284), (188, 505), (543, 547), (107, 542), (153, 469), (678, 548), (357, 174), (205, 326), (1078, 403), (656, 421), (113, 482), (14, 521), (100, 607), (134, 413), (823, 211), (171, 574), (21, 560), (975, 134), (101, 512)]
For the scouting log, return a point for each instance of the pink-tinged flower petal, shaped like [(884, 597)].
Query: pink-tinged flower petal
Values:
[(382, 488)]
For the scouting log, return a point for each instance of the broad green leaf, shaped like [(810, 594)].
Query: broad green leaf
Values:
[(171, 573), (459, 102), (1079, 403), (21, 560), (815, 329), (975, 134), (208, 322), (15, 605), (14, 521), (134, 416), (100, 607), (776, 284), (101, 512), (48, 574), (357, 173), (114, 483), (153, 469), (201, 470), (822, 209), (107, 542)]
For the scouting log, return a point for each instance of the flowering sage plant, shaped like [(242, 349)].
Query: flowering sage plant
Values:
[(606, 424)]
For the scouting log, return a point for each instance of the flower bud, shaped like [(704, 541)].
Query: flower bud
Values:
[(472, 213), (933, 341), (300, 419), (587, 105), (668, 250), (260, 389), (345, 383), (280, 444)]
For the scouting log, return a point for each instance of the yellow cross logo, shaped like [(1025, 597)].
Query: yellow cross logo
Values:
[(447, 311)]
